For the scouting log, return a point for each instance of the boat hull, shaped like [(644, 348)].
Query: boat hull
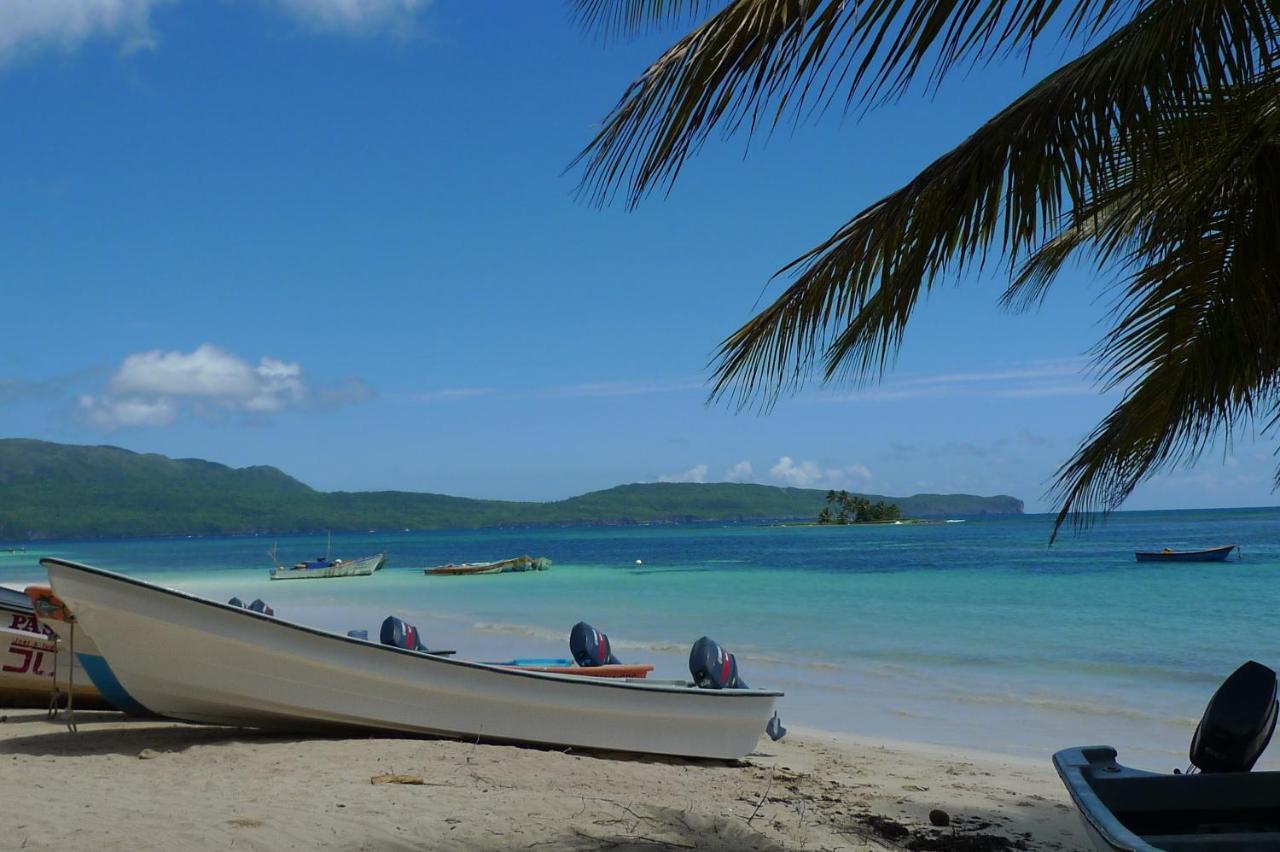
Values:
[(1213, 554), (517, 565), (202, 661), (362, 567), (1128, 810), (30, 663)]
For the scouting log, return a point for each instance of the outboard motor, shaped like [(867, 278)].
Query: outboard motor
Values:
[(236, 602), (1238, 723), (590, 647), (259, 605), (399, 634), (713, 667)]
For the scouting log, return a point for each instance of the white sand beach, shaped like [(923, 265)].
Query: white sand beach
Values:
[(127, 784)]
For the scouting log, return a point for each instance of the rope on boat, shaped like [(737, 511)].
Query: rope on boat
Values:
[(70, 715)]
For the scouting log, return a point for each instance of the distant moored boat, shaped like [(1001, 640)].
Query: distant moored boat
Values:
[(323, 566), (502, 566), (1213, 554)]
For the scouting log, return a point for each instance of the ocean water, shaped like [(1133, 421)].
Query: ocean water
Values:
[(975, 634)]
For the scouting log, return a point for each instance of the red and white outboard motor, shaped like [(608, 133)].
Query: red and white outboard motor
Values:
[(399, 634), (1238, 723), (713, 667), (590, 647), (259, 605)]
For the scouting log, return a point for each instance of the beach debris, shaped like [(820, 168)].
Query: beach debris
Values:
[(149, 754), (397, 778), (941, 841), (939, 817), (886, 827)]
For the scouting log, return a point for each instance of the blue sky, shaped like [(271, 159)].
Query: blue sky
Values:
[(337, 236)]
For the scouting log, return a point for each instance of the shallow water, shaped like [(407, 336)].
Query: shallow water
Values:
[(974, 634)]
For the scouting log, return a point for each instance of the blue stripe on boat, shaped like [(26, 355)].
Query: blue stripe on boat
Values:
[(110, 687)]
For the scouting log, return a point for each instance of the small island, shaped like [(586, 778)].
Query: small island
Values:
[(852, 509)]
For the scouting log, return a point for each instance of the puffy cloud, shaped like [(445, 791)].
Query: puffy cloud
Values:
[(112, 414), (697, 473), (209, 373), (29, 25), (740, 472), (154, 388), (808, 474), (799, 475)]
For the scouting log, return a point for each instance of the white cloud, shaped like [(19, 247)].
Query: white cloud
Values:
[(154, 388), (800, 475), (355, 15), (697, 473), (111, 414), (740, 472), (209, 373), (808, 474), (30, 25), (66, 24)]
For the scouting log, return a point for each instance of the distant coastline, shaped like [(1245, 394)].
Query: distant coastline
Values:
[(62, 491)]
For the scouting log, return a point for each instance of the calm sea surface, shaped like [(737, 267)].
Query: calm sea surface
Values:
[(973, 633)]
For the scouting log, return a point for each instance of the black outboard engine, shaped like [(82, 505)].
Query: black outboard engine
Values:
[(259, 605), (236, 602), (590, 647), (713, 667), (399, 634), (1238, 723)]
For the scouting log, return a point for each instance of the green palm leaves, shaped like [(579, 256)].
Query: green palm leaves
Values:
[(1154, 153)]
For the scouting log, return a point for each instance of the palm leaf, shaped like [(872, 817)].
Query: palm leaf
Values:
[(758, 61)]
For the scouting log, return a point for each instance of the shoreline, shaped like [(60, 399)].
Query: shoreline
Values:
[(152, 784)]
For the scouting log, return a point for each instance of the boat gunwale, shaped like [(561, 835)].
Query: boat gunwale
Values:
[(576, 680), (1071, 764)]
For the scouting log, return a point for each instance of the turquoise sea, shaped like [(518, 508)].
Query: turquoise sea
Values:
[(976, 633)]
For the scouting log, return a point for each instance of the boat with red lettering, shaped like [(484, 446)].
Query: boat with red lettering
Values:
[(33, 666), (191, 658), (16, 612)]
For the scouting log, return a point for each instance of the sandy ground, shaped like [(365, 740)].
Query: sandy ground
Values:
[(124, 784)]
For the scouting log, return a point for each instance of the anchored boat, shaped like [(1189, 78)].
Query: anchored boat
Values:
[(1212, 554), (195, 659), (502, 566)]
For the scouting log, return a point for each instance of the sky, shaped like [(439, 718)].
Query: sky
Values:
[(341, 237)]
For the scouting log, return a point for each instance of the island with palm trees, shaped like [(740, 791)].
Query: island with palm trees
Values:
[(845, 508)]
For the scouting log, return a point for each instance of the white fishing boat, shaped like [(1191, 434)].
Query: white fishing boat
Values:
[(189, 658), (325, 567)]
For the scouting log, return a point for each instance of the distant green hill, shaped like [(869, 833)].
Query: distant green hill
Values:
[(64, 491)]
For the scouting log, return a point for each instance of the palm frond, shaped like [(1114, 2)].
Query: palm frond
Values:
[(756, 62), (632, 17), (1039, 162), (1195, 341)]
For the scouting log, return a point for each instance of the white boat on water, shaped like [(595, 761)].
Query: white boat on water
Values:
[(326, 567), (189, 658)]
